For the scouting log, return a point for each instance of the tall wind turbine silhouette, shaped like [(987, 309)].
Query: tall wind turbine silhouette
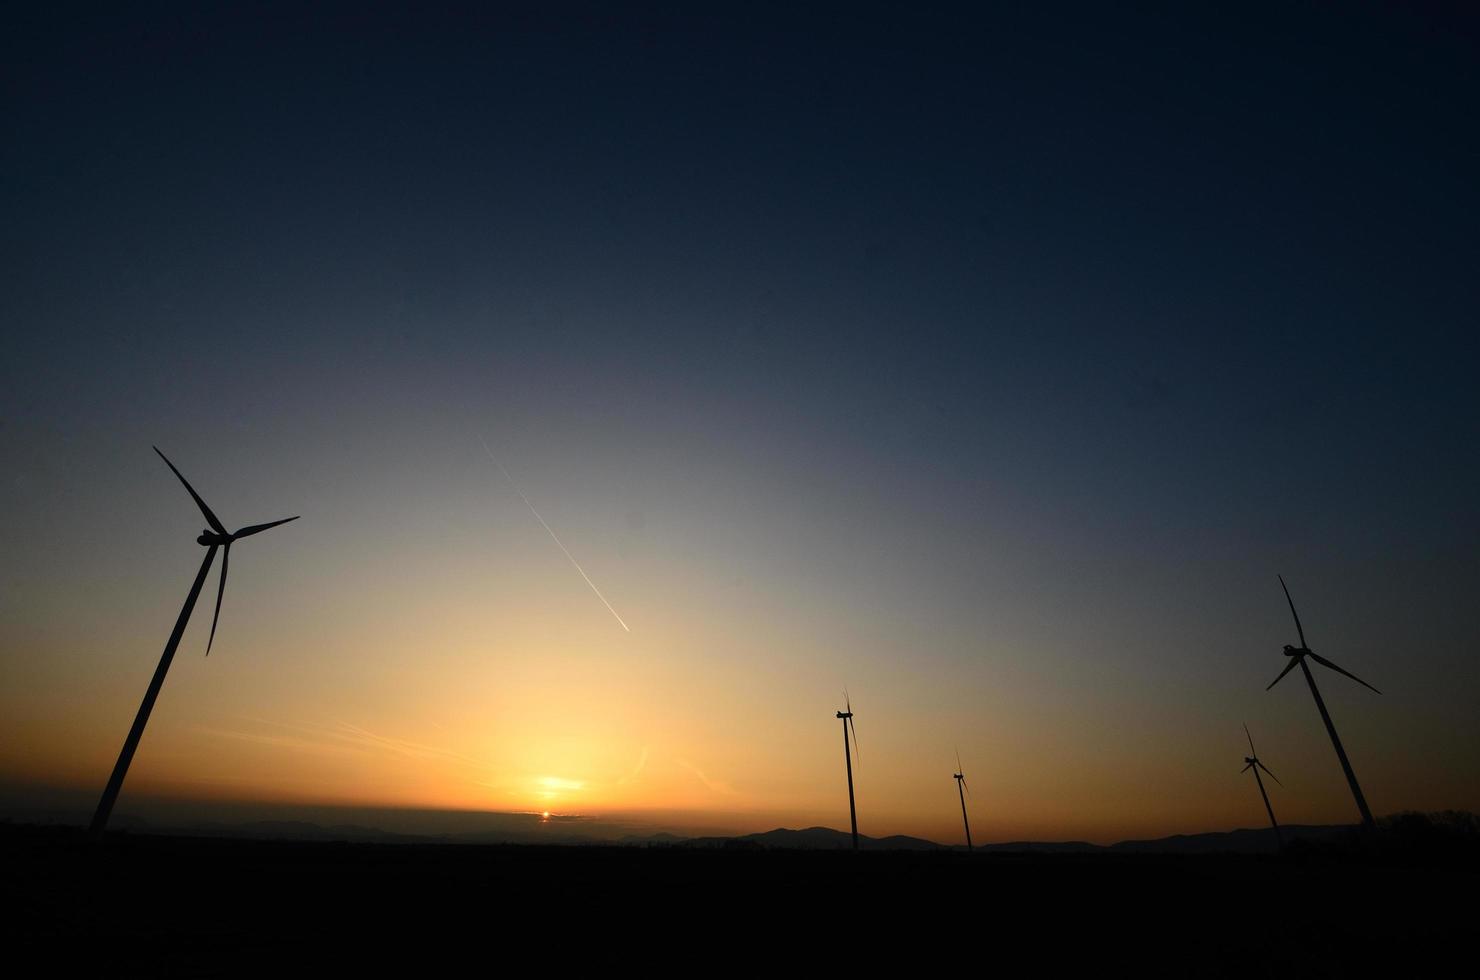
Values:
[(1251, 761), (961, 792), (847, 716), (214, 537), (1298, 655)]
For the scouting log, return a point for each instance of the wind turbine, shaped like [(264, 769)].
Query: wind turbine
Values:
[(847, 717), (960, 791), (1251, 761), (214, 537), (1297, 655)]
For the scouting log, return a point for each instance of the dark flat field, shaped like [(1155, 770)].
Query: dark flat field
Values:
[(141, 904)]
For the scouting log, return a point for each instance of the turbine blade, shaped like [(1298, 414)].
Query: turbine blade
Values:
[(854, 728), (211, 518), (220, 592), (965, 786), (958, 761), (1292, 611), (1326, 663), (1270, 774), (255, 528), (847, 705), (1251, 740), (1246, 767), (1288, 667)]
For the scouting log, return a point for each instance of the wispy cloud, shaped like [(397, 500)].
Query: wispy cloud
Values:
[(340, 737), (713, 785), (290, 742), (401, 746), (637, 769)]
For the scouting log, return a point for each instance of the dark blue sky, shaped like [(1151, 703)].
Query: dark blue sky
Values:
[(1249, 235), (1124, 295)]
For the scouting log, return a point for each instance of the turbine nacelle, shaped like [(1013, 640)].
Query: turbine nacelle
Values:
[(216, 536), (1251, 761), (1298, 654), (213, 539), (845, 714)]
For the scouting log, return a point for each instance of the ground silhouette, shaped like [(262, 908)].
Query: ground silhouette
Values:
[(159, 904)]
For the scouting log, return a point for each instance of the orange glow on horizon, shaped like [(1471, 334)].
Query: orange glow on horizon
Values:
[(495, 686)]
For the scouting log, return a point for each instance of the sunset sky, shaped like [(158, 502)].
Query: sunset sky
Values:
[(989, 366)]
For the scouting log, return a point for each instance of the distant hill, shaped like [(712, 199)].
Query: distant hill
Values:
[(1038, 847), (654, 839), (1258, 841), (530, 829), (302, 830), (814, 839)]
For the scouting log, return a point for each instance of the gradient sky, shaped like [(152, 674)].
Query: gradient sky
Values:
[(991, 365)]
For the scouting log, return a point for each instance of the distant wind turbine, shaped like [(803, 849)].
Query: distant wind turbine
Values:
[(1297, 655), (847, 716), (213, 537), (1252, 762), (961, 792)]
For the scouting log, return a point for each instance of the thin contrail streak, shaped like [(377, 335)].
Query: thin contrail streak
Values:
[(553, 536)]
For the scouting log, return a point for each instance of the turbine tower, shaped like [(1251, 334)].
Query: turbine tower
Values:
[(1298, 655), (214, 537), (961, 792), (847, 718), (1251, 761)]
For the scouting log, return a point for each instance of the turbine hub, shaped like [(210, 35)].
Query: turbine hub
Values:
[(1296, 651), (1250, 761)]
